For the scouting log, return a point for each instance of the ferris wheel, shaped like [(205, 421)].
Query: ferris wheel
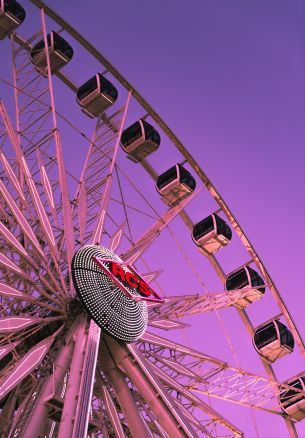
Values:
[(113, 241)]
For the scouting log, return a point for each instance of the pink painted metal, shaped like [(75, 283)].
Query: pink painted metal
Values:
[(7, 348), (186, 305), (170, 418), (47, 186), (24, 366), (7, 263), (74, 381), (168, 324), (13, 323), (97, 235), (122, 392), (20, 218), (30, 424), (11, 239), (151, 276), (116, 238), (153, 232), (67, 215), (12, 176), (83, 408), (44, 221), (112, 413)]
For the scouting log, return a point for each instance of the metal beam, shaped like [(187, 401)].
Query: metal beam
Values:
[(122, 392)]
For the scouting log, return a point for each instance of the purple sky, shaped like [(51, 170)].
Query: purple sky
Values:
[(228, 77)]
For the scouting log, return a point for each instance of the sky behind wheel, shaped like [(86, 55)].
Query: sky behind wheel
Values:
[(228, 77)]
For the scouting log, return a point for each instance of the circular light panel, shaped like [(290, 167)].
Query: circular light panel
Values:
[(121, 317)]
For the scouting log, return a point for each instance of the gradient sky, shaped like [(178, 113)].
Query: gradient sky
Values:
[(228, 78)]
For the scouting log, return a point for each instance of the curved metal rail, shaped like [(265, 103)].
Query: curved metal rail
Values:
[(182, 149)]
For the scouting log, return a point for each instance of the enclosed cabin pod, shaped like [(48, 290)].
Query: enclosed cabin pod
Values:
[(12, 15), (140, 140), (293, 402), (60, 52), (245, 278), (96, 95), (273, 340), (212, 233), (175, 184)]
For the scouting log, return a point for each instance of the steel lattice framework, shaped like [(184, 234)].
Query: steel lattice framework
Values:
[(60, 375)]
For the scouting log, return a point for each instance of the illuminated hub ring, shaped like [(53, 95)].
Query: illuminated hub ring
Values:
[(120, 316)]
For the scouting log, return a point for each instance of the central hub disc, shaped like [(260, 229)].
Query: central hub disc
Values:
[(116, 308)]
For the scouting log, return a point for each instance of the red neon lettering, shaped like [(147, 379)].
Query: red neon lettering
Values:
[(144, 288), (132, 280), (118, 271)]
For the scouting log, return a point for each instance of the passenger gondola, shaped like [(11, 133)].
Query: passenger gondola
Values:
[(12, 15), (140, 140), (273, 340), (244, 278), (96, 95), (212, 233), (293, 402), (175, 184), (60, 52)]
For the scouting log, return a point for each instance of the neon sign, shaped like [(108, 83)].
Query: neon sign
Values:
[(112, 294), (127, 278)]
